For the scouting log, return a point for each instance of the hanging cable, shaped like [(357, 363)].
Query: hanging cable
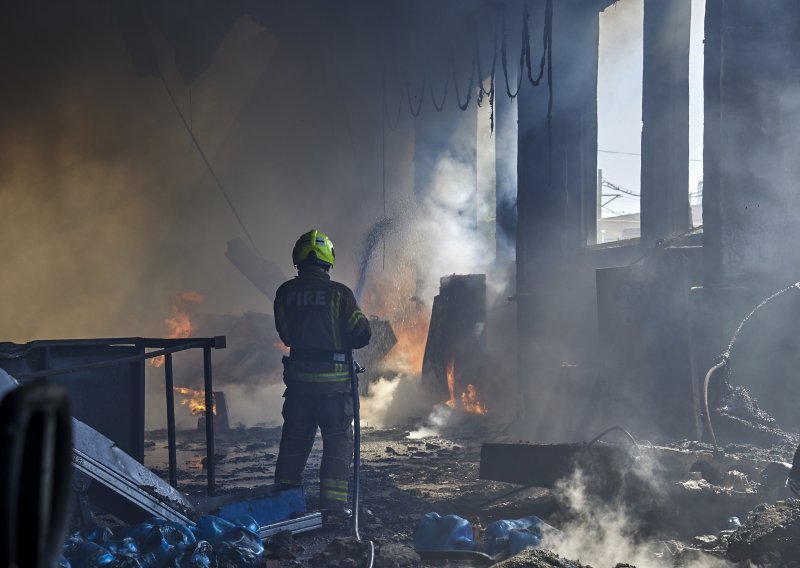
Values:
[(210, 168), (191, 118), (421, 97), (465, 104), (383, 161), (476, 72), (504, 58)]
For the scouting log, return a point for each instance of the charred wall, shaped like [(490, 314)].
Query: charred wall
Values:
[(750, 202), (576, 370), (752, 87)]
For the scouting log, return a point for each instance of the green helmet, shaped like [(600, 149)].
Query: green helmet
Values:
[(314, 247)]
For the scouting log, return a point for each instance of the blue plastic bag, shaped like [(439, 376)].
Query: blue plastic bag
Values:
[(247, 522), (520, 539), (158, 543), (240, 547), (211, 528), (91, 555), (201, 555), (451, 532), (513, 536)]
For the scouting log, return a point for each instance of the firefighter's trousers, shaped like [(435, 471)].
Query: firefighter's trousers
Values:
[(333, 414)]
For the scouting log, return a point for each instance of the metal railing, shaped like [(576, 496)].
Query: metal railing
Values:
[(165, 348)]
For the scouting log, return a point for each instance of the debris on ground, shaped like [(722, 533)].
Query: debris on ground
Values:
[(770, 537), (398, 491), (343, 552), (539, 558), (156, 542)]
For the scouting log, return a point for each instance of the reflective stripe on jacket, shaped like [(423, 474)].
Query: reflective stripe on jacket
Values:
[(314, 313)]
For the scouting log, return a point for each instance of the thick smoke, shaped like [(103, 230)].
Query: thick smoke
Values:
[(440, 231), (605, 534), (109, 211), (394, 402)]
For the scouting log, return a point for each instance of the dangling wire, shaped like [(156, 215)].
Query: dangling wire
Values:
[(210, 168), (440, 106), (421, 97), (525, 67), (492, 88), (383, 159), (465, 104), (393, 124), (191, 119), (504, 58)]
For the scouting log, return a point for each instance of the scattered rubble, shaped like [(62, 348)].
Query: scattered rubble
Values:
[(397, 490), (770, 537), (345, 552), (538, 558)]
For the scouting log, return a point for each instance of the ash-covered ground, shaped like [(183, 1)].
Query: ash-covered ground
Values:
[(404, 478)]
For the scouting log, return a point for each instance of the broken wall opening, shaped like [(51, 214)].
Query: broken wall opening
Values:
[(619, 120), (696, 111)]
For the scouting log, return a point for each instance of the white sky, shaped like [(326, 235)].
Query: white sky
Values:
[(619, 104)]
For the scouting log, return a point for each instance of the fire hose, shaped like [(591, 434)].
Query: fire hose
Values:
[(355, 369), (711, 371), (724, 358)]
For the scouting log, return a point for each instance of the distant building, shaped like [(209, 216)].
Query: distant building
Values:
[(619, 228), (623, 227)]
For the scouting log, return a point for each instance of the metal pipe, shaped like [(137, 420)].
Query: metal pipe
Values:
[(169, 384), (354, 370), (356, 449), (113, 362), (710, 372), (209, 396)]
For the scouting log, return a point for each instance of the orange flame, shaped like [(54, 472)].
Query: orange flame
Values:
[(471, 403), (195, 400), (451, 383), (469, 398), (408, 354), (180, 325), (392, 297)]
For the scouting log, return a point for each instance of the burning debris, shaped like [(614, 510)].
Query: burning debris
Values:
[(455, 350), (195, 400), (469, 398), (179, 324)]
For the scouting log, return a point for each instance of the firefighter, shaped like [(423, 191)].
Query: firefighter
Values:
[(320, 321)]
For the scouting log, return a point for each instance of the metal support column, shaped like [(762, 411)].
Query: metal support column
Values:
[(209, 395), (170, 387)]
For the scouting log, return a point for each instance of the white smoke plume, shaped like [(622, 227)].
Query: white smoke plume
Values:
[(437, 420), (255, 405), (605, 534), (394, 402)]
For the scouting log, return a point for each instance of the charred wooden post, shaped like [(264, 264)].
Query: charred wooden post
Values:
[(457, 336)]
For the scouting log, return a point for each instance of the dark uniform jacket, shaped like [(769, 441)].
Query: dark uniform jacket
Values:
[(319, 320)]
